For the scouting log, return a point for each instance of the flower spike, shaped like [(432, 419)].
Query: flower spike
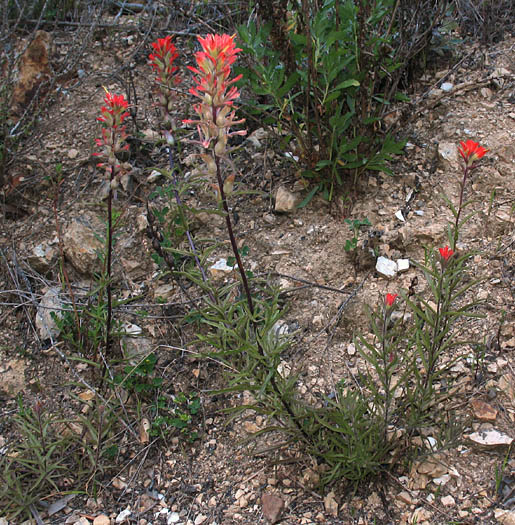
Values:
[(471, 151)]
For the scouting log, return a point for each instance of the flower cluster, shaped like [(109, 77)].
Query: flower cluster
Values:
[(112, 142), (217, 93), (446, 253), (390, 299), (471, 152), (162, 61)]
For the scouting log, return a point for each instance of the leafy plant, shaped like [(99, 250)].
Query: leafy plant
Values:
[(179, 412), (355, 225), (326, 88)]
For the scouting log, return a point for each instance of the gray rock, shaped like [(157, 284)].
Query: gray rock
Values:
[(50, 304), (42, 257), (448, 155)]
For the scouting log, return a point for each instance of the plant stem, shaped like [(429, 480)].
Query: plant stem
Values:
[(108, 262), (250, 303), (460, 205), (179, 205)]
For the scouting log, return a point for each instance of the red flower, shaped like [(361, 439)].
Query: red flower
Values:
[(113, 113), (390, 298), (216, 114), (446, 253), (471, 151), (214, 67), (162, 59)]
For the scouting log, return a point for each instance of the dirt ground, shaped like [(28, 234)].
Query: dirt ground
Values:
[(217, 478)]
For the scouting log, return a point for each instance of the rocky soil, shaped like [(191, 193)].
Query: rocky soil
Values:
[(218, 478)]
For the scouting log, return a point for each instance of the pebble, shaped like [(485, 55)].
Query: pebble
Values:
[(102, 520), (201, 518), (448, 501)]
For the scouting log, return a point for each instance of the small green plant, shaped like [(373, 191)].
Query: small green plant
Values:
[(355, 225), (48, 452), (179, 412), (140, 378)]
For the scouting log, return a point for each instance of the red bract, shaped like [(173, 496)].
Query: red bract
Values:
[(215, 112), (162, 60), (471, 151), (113, 113), (390, 298), (113, 132), (446, 253)]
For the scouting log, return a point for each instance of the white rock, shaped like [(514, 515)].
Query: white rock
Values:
[(505, 517), (386, 267), (402, 265), (201, 518), (221, 268), (49, 304), (490, 438), (123, 515), (447, 86), (41, 258), (154, 175), (173, 518), (400, 216)]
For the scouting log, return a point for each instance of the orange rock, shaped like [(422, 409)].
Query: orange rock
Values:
[(483, 411), (34, 69)]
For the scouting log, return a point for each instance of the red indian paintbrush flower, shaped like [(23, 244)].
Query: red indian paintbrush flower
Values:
[(217, 94), (446, 253), (471, 151), (163, 58), (162, 61), (113, 113), (390, 298)]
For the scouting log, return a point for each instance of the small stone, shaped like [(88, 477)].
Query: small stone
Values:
[(400, 216), (505, 517), (404, 497), (386, 267), (124, 515), (141, 222), (448, 154), (201, 518), (448, 501), (221, 269), (490, 438), (273, 507), (483, 411), (82, 245), (154, 175), (173, 517), (285, 201), (41, 258), (446, 87), (80, 521), (421, 515), (49, 306), (402, 265), (102, 520), (72, 153), (330, 504)]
